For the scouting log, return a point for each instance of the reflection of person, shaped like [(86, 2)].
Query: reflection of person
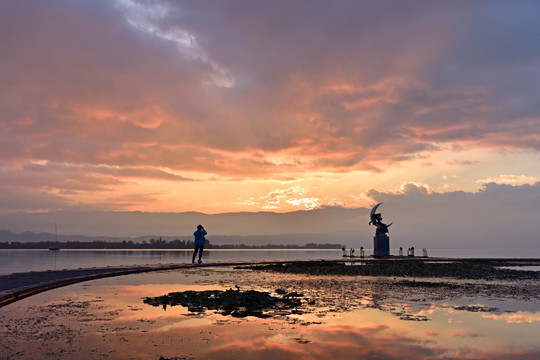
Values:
[(199, 242)]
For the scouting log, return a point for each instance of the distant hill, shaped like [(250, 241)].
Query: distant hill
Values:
[(329, 225), (291, 239), (497, 217)]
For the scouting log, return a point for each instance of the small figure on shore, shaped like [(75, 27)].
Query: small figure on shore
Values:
[(200, 240)]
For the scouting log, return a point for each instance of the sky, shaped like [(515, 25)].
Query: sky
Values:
[(248, 106)]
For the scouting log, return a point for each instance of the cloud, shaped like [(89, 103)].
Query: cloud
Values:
[(499, 219), (150, 18), (124, 60), (462, 162), (294, 195), (14, 198), (464, 334), (509, 180), (497, 216), (266, 90), (517, 318)]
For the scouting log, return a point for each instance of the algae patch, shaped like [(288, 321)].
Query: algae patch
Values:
[(456, 269), (233, 302)]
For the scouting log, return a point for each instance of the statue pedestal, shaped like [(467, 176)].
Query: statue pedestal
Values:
[(381, 245)]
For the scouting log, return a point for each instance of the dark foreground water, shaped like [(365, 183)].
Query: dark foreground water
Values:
[(340, 318)]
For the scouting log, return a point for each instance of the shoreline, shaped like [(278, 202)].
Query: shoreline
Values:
[(17, 286), (357, 315)]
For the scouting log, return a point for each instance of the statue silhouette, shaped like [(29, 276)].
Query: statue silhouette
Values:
[(381, 241)]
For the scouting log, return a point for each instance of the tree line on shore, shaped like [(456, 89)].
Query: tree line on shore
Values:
[(151, 244)]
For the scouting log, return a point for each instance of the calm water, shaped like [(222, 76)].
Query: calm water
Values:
[(12, 261), (344, 318)]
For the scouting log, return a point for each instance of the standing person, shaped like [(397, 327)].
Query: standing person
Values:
[(199, 243)]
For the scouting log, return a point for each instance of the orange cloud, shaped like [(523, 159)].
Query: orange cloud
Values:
[(160, 91), (516, 318)]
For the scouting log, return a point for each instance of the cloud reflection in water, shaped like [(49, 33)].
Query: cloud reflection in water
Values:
[(106, 318)]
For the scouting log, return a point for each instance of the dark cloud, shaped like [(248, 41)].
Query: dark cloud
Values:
[(20, 198), (87, 73), (209, 87), (498, 216)]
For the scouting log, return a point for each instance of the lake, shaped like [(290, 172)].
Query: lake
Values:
[(12, 261), (339, 318)]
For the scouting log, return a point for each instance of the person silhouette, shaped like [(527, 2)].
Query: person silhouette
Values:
[(200, 240)]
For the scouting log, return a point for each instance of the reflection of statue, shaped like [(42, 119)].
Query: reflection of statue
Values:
[(381, 241)]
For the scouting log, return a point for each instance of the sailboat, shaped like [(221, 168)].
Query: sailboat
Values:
[(54, 247)]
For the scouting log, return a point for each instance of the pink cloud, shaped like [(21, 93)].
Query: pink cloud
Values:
[(168, 88), (464, 334)]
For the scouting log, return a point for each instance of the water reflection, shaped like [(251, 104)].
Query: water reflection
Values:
[(12, 261), (344, 319)]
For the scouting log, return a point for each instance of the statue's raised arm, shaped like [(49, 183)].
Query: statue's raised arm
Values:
[(376, 219), (381, 241)]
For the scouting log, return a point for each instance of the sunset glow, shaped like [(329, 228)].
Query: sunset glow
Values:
[(169, 106)]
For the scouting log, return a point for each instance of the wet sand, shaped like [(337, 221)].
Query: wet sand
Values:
[(17, 286), (342, 316), (14, 287)]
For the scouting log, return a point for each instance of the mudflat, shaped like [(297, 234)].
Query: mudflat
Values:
[(310, 310), (20, 285)]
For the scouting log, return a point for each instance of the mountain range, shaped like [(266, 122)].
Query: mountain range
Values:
[(335, 225)]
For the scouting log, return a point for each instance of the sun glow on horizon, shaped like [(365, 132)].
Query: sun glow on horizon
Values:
[(149, 106), (168, 190)]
